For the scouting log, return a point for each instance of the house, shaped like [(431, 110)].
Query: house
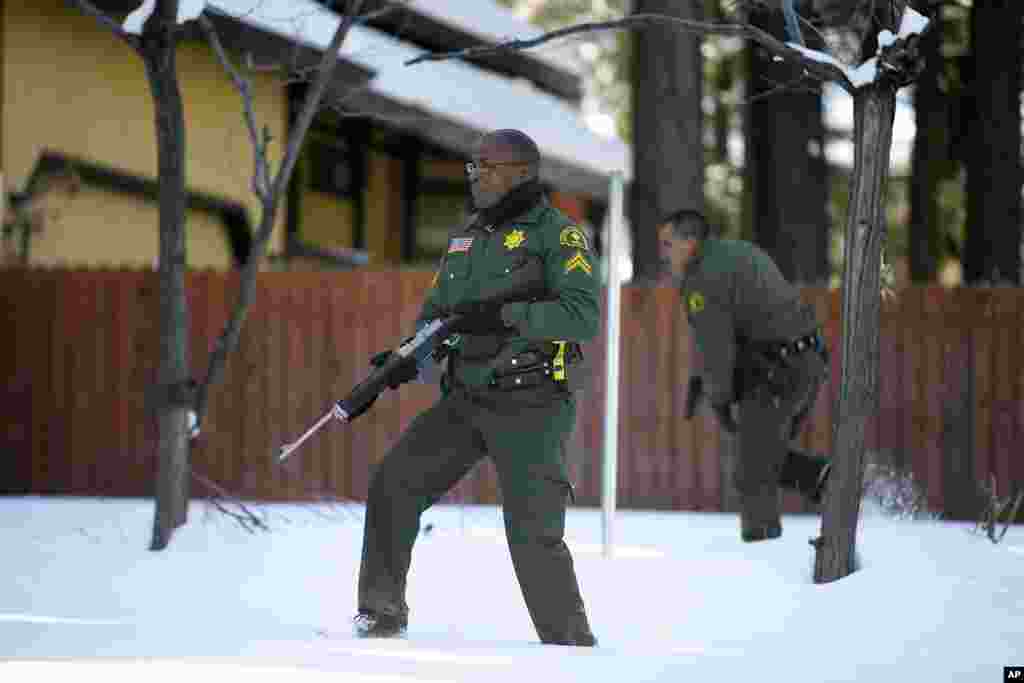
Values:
[(380, 179)]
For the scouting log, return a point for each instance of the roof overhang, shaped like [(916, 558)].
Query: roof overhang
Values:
[(450, 103)]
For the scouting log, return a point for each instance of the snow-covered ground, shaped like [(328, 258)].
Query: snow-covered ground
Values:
[(682, 600)]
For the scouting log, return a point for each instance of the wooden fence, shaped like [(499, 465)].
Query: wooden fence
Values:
[(80, 346)]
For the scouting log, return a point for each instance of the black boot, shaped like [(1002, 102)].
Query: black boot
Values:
[(760, 533), (368, 624)]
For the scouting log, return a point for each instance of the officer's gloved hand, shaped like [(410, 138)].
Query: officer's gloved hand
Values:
[(406, 371), (478, 318), (726, 417)]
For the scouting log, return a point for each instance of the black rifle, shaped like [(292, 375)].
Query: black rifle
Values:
[(414, 349)]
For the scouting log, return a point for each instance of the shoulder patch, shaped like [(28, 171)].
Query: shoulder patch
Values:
[(695, 302), (573, 237)]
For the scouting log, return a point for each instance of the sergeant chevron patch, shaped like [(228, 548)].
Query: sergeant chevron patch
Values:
[(578, 262)]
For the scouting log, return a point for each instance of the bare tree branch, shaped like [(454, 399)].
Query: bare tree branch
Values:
[(270, 201), (313, 98), (106, 20), (247, 519), (261, 171), (828, 72)]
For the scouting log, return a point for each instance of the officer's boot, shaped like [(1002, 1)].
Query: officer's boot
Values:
[(760, 515), (369, 624), (806, 474)]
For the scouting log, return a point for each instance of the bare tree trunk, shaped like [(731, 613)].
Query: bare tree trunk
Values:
[(993, 232), (158, 50), (668, 148), (928, 162), (874, 108)]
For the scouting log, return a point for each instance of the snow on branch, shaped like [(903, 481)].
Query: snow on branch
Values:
[(188, 10), (823, 70), (819, 64), (106, 20), (889, 54)]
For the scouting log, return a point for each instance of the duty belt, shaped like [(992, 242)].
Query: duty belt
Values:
[(813, 341), (539, 369)]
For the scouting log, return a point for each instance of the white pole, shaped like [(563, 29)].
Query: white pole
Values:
[(609, 470)]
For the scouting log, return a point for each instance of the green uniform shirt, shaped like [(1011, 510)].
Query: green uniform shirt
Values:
[(733, 293), (543, 247)]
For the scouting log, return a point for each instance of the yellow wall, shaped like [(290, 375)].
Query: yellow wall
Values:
[(327, 220), (70, 86), (96, 228), (384, 208)]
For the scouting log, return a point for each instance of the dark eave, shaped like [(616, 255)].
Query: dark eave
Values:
[(427, 32), (461, 140)]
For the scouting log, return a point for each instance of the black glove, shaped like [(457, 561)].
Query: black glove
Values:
[(725, 418), (407, 371), (478, 318), (694, 392), (366, 406)]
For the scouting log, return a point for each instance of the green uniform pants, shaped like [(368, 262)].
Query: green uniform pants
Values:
[(526, 442), (769, 420)]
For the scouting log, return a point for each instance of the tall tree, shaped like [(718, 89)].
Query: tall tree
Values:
[(929, 161), (993, 229), (177, 396), (786, 169), (668, 147)]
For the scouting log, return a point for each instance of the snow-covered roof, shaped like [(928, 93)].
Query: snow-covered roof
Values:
[(463, 98), (490, 22)]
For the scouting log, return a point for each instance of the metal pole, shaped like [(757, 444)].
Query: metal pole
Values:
[(609, 470)]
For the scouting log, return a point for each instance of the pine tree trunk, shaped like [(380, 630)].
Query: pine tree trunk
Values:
[(171, 490), (993, 231), (668, 147), (928, 163), (874, 108), (785, 157)]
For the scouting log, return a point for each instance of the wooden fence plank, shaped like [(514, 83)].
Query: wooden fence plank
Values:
[(89, 341), (19, 386), (686, 478), (272, 291), (983, 347), (1006, 366)]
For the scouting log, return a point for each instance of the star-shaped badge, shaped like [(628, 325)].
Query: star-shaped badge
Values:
[(514, 239)]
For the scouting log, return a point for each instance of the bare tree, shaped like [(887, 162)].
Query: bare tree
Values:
[(873, 87), (177, 394)]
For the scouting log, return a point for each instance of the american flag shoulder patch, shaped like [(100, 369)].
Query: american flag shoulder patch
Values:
[(459, 245)]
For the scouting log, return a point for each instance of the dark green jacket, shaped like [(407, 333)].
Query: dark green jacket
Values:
[(734, 294), (541, 249)]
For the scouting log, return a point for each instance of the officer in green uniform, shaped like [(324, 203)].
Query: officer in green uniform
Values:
[(764, 362), (521, 275)]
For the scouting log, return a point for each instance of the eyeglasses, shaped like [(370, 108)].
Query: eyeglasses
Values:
[(475, 169)]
